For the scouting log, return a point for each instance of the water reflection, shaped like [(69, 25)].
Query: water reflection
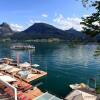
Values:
[(66, 63), (97, 51)]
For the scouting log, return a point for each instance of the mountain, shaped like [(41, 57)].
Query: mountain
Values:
[(40, 31), (5, 30), (74, 34), (45, 31)]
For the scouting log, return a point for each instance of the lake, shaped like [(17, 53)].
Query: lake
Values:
[(65, 63)]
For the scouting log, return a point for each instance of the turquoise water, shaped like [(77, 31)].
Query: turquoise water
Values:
[(65, 63)]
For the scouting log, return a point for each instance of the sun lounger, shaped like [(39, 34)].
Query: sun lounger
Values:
[(27, 87)]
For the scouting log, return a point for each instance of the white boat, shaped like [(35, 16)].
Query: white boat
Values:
[(25, 47), (35, 65), (78, 86)]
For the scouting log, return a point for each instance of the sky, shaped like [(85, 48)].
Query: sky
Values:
[(63, 14)]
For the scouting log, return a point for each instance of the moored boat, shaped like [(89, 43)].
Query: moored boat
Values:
[(24, 47), (78, 86)]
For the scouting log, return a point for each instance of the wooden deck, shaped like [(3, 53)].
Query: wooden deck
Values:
[(37, 76), (31, 93)]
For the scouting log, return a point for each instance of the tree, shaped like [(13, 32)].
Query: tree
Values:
[(91, 24)]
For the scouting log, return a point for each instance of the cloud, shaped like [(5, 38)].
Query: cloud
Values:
[(34, 21), (16, 27), (86, 16), (31, 21), (66, 23), (44, 15)]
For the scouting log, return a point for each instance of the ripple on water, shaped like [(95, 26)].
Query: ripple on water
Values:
[(65, 64)]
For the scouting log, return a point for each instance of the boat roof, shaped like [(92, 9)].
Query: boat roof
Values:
[(47, 96)]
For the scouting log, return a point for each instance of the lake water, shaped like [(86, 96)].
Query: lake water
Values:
[(65, 63)]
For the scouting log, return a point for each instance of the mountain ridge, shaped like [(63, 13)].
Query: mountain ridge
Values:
[(5, 30), (43, 31)]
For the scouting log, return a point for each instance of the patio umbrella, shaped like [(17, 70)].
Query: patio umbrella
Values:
[(14, 70), (2, 66), (23, 74), (6, 67), (25, 64), (7, 78)]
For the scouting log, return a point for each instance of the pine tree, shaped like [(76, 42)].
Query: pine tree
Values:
[(91, 24)]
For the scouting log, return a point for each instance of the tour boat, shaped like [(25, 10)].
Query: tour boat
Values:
[(25, 47)]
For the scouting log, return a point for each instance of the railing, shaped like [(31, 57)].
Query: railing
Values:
[(10, 86)]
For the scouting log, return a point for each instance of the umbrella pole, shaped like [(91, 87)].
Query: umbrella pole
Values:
[(17, 58), (30, 59)]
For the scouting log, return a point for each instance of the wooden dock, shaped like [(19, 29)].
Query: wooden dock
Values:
[(37, 76)]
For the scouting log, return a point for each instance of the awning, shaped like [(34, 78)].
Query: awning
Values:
[(7, 78)]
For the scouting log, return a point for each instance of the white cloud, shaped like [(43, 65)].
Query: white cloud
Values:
[(86, 15), (32, 21), (44, 15), (66, 23), (16, 27)]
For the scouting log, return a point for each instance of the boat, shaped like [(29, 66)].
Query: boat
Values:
[(35, 65), (77, 86), (22, 47)]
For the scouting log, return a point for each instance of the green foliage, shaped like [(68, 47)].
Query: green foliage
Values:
[(98, 90), (91, 24)]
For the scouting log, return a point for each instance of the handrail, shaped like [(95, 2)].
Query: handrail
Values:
[(12, 87)]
